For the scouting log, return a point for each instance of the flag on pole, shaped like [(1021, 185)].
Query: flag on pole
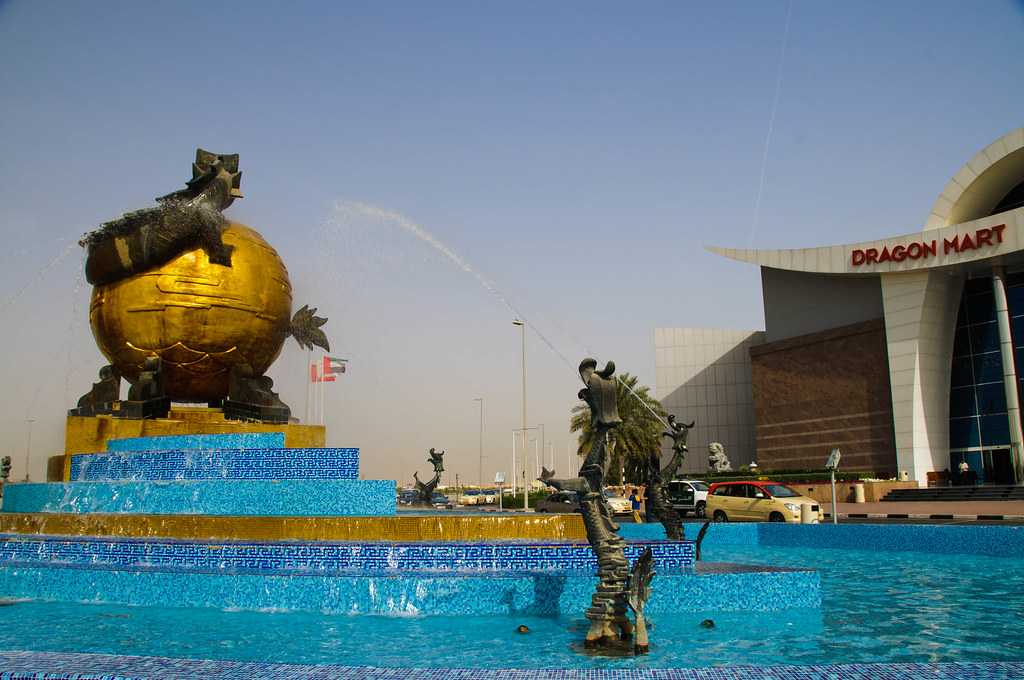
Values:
[(333, 365), (315, 375)]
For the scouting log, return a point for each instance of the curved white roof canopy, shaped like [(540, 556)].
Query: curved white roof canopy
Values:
[(962, 209)]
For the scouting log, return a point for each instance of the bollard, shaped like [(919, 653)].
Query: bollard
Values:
[(858, 493), (807, 516)]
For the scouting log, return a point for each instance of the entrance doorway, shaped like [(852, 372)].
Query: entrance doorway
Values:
[(984, 466)]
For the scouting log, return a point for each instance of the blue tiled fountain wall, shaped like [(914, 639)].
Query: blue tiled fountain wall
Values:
[(241, 440), (305, 497), (237, 463), (323, 558), (216, 474), (432, 579), (991, 541)]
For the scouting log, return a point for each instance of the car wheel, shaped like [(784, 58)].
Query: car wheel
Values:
[(776, 517), (720, 516), (701, 507)]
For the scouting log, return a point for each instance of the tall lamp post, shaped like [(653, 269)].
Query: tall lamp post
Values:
[(526, 489), (28, 446), (481, 469)]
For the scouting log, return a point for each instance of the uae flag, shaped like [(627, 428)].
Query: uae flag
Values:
[(315, 375), (334, 365)]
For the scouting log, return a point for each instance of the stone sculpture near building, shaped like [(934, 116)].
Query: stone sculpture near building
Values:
[(717, 460), (207, 297), (609, 623), (425, 491)]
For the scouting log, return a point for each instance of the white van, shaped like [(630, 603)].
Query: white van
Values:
[(688, 495)]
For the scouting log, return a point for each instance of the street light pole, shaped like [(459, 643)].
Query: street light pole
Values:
[(481, 462), (543, 451), (28, 446), (526, 488)]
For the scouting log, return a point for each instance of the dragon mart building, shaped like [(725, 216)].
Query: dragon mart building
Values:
[(906, 353)]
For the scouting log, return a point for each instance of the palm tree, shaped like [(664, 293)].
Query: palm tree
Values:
[(635, 440)]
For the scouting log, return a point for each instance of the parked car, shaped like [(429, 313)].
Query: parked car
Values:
[(407, 496), (560, 502), (758, 501), (618, 504), (472, 497), (439, 500), (491, 495), (688, 495)]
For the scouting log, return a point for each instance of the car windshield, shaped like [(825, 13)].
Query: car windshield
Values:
[(608, 493), (780, 491), (699, 486)]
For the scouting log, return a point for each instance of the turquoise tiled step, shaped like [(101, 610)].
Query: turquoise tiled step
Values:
[(709, 588), (299, 497), (263, 463)]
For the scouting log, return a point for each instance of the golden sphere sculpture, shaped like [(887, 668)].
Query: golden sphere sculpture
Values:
[(199, 317), (189, 306)]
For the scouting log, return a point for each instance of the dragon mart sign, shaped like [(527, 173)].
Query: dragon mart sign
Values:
[(987, 237)]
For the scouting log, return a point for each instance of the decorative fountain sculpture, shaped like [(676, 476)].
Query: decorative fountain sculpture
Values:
[(657, 477), (617, 588), (209, 298), (426, 490)]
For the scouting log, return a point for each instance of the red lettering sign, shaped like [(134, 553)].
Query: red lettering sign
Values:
[(960, 243)]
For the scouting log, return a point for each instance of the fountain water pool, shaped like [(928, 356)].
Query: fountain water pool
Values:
[(887, 608), (259, 590)]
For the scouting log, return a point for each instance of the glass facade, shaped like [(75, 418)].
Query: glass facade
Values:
[(979, 430)]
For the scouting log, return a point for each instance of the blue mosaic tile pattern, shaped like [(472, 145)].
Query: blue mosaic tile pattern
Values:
[(992, 541), (275, 463), (537, 594), (322, 558), (240, 440), (299, 497), (16, 665)]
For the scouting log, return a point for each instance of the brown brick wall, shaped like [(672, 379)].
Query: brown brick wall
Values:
[(821, 390)]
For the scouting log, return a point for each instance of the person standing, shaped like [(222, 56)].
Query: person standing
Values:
[(634, 502)]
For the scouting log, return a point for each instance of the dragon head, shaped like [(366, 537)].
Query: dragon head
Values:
[(215, 175)]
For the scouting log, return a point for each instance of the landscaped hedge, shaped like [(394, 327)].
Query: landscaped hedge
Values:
[(793, 476)]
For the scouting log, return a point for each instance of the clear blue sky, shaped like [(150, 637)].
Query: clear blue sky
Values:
[(580, 155)]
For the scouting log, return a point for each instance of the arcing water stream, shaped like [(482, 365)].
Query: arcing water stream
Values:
[(365, 210)]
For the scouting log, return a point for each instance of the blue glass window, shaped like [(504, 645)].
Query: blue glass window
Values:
[(1015, 299), (995, 430), (977, 397), (961, 402), (1017, 331), (975, 286), (985, 338), (981, 308), (963, 433), (962, 374), (991, 399), (988, 368)]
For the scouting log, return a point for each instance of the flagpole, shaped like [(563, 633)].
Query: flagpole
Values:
[(309, 381), (322, 381)]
